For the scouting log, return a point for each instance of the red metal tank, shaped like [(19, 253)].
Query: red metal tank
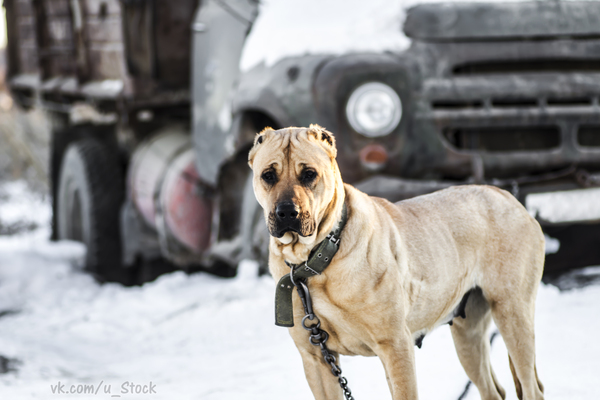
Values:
[(166, 190), (187, 213)]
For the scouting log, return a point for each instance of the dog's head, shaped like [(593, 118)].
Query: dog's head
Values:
[(295, 179)]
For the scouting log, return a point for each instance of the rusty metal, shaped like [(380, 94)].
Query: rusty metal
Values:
[(186, 208), (145, 45)]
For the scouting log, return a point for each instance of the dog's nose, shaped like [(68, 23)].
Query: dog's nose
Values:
[(286, 211)]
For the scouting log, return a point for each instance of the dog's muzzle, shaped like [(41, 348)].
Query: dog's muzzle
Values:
[(286, 219)]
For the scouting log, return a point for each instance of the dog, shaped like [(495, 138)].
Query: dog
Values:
[(401, 269)]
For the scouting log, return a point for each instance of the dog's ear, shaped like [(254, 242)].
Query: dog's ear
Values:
[(258, 139), (325, 138)]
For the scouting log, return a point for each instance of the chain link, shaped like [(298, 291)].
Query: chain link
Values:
[(318, 337)]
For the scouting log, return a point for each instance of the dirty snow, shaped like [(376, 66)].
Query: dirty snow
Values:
[(286, 28), (23, 210), (202, 337)]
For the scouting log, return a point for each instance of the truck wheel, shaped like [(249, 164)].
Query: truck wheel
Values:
[(260, 242), (254, 229), (90, 194)]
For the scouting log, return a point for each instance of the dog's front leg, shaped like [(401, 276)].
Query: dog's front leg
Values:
[(323, 384), (398, 358)]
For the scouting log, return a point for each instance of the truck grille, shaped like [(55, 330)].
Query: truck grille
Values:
[(513, 102), (527, 66), (589, 135), (456, 104), (566, 102), (504, 139)]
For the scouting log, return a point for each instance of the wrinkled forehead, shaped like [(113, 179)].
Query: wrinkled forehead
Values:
[(290, 146)]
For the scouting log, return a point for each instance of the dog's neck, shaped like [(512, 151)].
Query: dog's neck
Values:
[(296, 249)]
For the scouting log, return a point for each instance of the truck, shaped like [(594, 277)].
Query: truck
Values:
[(152, 119)]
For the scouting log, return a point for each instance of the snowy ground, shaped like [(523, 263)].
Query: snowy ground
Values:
[(201, 337)]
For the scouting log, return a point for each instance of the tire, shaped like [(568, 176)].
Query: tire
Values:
[(255, 232), (89, 197), (260, 242)]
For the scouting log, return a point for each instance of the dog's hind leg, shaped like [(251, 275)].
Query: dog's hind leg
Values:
[(473, 347), (515, 321)]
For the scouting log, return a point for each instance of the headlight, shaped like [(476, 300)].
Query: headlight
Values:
[(374, 109)]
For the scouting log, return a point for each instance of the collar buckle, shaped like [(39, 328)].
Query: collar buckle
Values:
[(333, 239)]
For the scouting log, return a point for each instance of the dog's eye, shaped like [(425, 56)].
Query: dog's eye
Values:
[(308, 175), (269, 177)]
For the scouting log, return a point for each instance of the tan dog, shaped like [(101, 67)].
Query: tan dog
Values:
[(401, 269)]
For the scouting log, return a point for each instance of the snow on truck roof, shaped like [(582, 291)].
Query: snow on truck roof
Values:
[(286, 28)]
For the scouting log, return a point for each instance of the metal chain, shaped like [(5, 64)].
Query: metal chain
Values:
[(318, 337)]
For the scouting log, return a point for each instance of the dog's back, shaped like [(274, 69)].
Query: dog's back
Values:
[(487, 224)]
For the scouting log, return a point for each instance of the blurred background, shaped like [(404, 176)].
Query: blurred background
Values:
[(132, 249)]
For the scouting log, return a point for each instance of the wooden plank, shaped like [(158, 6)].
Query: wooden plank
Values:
[(60, 30), (56, 8), (104, 30), (173, 21), (96, 7), (28, 60), (29, 44), (26, 20), (62, 65), (107, 64), (26, 31), (24, 8)]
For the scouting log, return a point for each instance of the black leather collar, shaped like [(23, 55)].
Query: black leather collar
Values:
[(319, 259)]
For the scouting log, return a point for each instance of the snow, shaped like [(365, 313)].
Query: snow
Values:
[(17, 203), (565, 206), (202, 337), (286, 28)]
